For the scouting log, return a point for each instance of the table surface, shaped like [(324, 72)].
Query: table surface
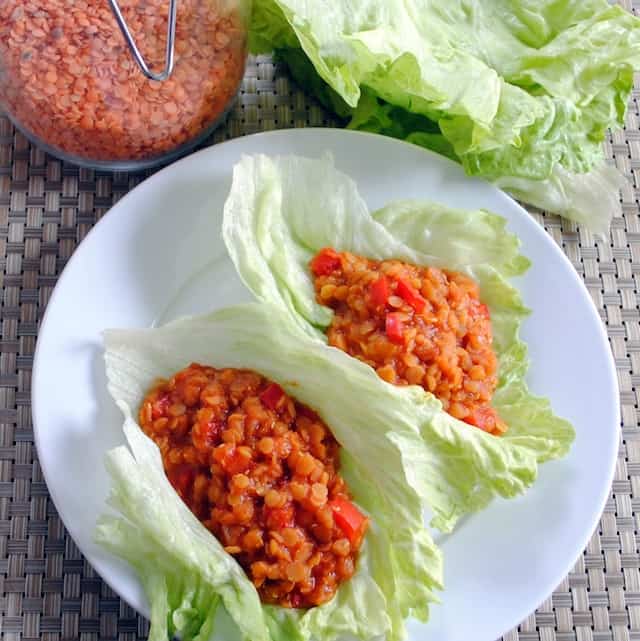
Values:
[(49, 591)]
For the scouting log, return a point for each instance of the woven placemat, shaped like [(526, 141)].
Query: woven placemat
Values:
[(49, 591)]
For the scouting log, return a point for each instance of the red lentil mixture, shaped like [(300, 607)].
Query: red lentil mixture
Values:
[(68, 77), (260, 470), (414, 326)]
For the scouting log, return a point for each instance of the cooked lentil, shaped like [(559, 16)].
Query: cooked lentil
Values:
[(260, 470), (415, 326), (67, 76)]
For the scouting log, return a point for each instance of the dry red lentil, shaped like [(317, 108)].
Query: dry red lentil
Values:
[(68, 78), (260, 470), (414, 326)]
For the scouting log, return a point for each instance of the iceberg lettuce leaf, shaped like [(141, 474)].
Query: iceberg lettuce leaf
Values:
[(185, 571), (281, 211), (509, 89)]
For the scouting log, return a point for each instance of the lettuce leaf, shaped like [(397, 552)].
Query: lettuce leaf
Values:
[(401, 452), (281, 211), (591, 199), (509, 89), (185, 571)]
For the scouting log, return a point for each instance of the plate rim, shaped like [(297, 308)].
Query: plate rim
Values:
[(162, 173)]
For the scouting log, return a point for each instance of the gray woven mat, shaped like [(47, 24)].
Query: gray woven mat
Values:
[(49, 591)]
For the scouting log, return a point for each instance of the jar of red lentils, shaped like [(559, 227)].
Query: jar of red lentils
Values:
[(73, 77)]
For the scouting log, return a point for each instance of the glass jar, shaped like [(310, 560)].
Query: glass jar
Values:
[(70, 82)]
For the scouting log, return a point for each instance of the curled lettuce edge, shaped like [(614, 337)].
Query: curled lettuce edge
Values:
[(515, 95), (281, 210), (185, 572), (591, 199)]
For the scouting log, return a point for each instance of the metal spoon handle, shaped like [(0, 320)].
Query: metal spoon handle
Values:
[(171, 38)]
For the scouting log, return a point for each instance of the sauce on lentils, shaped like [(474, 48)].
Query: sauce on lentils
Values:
[(414, 326), (260, 470)]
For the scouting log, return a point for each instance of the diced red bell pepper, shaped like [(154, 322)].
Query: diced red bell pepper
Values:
[(394, 328), (348, 518), (160, 406), (327, 260), (484, 418), (272, 396), (410, 295), (379, 290)]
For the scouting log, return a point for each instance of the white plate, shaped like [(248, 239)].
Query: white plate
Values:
[(158, 254)]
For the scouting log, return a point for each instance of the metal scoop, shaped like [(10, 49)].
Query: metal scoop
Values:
[(171, 38)]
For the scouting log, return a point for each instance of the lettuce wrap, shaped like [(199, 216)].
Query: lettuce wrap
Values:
[(282, 210), (518, 92), (185, 571)]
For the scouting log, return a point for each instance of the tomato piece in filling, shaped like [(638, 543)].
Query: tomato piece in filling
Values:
[(326, 261), (415, 326), (260, 470), (380, 291), (394, 327)]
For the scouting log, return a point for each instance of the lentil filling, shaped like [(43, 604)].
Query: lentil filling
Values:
[(260, 471), (415, 326)]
